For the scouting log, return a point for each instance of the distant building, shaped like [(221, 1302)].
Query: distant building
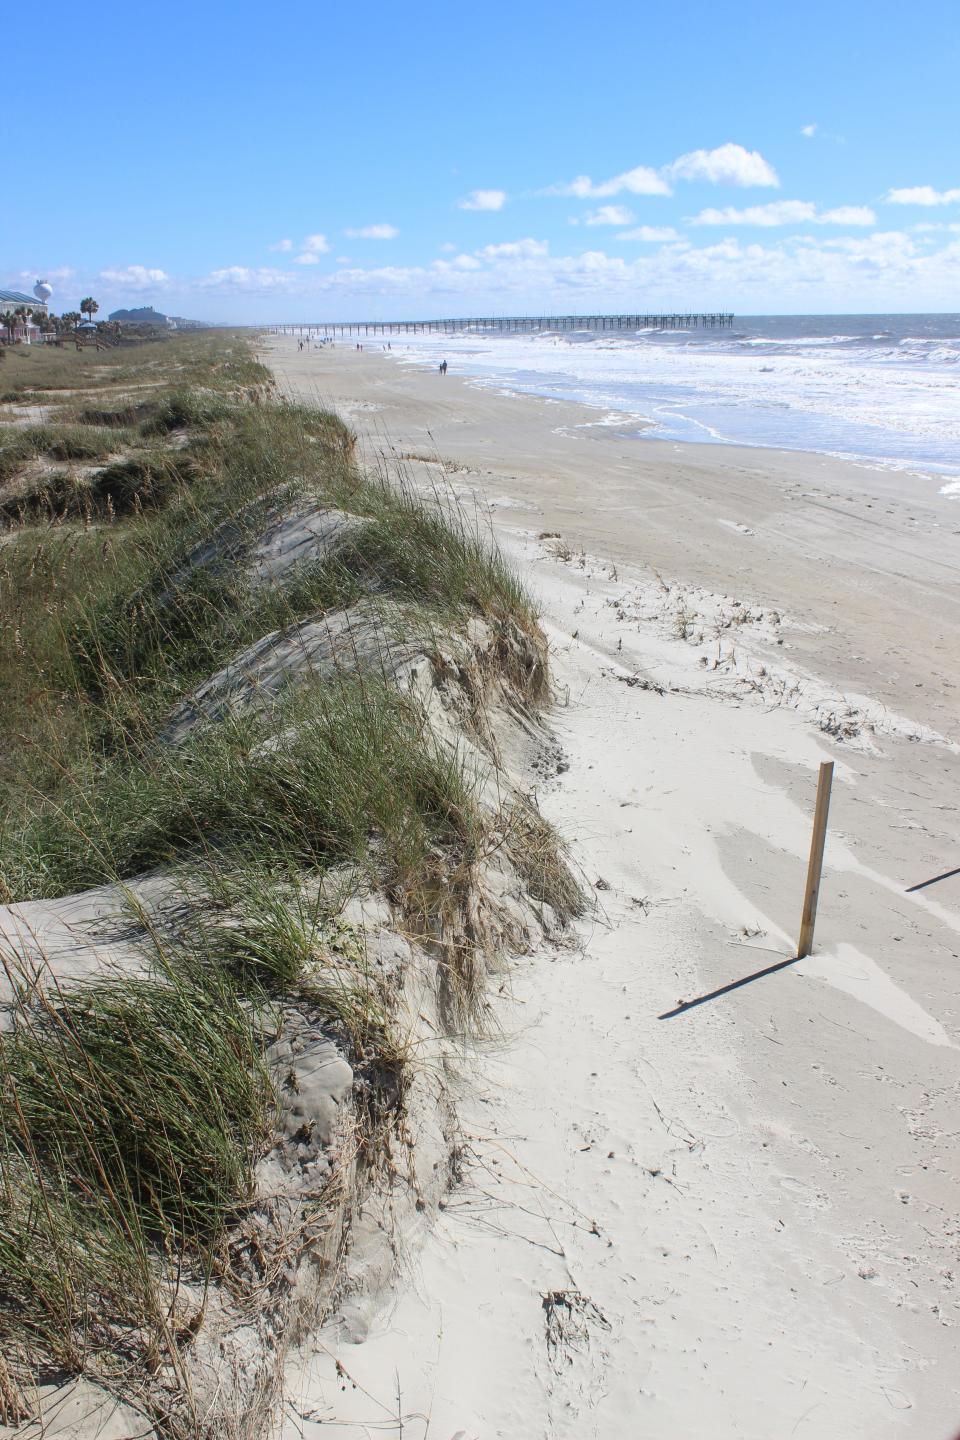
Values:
[(11, 300)]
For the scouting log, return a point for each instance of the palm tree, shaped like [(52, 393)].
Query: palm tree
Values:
[(9, 321), (71, 319), (89, 306)]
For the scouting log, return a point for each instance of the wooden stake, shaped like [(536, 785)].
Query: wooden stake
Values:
[(817, 841)]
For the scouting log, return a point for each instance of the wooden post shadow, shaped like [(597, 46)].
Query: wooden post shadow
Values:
[(811, 895)]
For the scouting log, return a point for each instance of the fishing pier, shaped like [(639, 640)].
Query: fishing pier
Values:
[(512, 324)]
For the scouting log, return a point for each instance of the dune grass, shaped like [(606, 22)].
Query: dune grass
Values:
[(338, 768), (135, 1106), (39, 370)]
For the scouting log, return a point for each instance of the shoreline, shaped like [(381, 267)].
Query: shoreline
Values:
[(926, 472), (741, 1216), (886, 553)]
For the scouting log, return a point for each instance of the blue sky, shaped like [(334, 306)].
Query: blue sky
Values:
[(245, 162)]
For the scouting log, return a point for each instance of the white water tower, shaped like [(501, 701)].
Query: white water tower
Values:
[(43, 291)]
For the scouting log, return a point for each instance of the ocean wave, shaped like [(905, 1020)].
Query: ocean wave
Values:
[(806, 341), (887, 401)]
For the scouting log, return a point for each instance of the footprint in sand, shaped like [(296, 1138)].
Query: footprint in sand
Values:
[(806, 1194)]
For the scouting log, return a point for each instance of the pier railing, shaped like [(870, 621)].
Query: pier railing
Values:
[(505, 324)]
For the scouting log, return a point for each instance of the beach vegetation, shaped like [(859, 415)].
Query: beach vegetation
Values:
[(137, 1103)]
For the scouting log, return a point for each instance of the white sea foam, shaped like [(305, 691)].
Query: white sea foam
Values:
[(883, 397)]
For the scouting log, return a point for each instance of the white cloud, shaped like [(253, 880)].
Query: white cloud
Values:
[(848, 215), (447, 248), (484, 200), (652, 234), (282, 245), (808, 130), (726, 165), (609, 215), (461, 262), (59, 272), (639, 181), (135, 277), (922, 195), (807, 271), (313, 247), (244, 279), (786, 212), (526, 249), (374, 232), (780, 212)]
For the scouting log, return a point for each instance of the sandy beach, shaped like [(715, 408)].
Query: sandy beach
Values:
[(740, 1220)]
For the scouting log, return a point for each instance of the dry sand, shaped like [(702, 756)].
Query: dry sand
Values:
[(743, 1220)]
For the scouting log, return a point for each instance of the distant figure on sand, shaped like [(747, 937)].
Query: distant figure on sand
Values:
[(443, 367)]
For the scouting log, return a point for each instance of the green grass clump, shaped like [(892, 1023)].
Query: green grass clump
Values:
[(143, 480), (185, 410), (338, 769), (121, 416), (16, 451), (133, 1112), (73, 442), (151, 1089), (55, 442)]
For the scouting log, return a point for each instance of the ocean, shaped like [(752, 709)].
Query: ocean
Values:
[(879, 389)]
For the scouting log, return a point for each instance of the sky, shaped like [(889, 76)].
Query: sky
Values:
[(249, 163)]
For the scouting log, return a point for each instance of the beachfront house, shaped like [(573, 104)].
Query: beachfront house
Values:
[(24, 328)]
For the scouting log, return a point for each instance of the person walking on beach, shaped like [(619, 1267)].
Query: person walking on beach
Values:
[(443, 367)]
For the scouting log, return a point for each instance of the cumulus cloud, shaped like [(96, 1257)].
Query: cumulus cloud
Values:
[(282, 245), (374, 232), (313, 247), (807, 270), (639, 181), (922, 195), (525, 249), (726, 165), (59, 272), (243, 278), (780, 212), (808, 130), (460, 262), (848, 215), (609, 215), (785, 212), (652, 234), (135, 277), (483, 200)]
